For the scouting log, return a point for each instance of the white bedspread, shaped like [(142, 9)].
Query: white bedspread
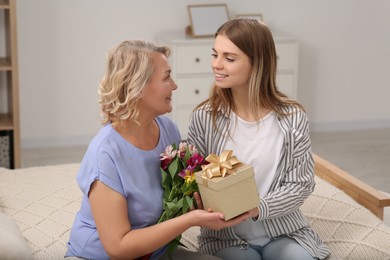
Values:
[(43, 201)]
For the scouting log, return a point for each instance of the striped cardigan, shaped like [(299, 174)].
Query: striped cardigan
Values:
[(293, 183)]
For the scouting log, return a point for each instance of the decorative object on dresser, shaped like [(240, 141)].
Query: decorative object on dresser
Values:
[(191, 69), (9, 93), (205, 19)]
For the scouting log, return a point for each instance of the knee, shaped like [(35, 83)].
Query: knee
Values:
[(233, 253)]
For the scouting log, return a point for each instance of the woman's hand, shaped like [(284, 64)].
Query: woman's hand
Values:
[(215, 220)]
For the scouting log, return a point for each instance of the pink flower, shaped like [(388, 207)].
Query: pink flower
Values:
[(192, 149), (182, 149), (169, 153)]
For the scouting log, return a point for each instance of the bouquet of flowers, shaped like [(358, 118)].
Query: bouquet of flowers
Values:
[(178, 166)]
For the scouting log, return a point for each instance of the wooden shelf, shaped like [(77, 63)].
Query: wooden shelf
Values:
[(9, 119), (5, 64), (4, 4), (6, 122)]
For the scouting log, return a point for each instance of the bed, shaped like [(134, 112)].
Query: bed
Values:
[(38, 205)]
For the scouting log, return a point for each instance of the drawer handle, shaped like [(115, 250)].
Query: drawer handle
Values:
[(197, 91), (197, 60)]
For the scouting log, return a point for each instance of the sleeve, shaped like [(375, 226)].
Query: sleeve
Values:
[(99, 165), (297, 177)]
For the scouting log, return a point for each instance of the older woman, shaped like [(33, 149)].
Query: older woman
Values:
[(120, 172)]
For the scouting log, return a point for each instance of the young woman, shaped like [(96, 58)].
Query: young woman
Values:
[(246, 113), (120, 172)]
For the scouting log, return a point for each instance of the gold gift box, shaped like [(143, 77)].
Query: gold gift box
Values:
[(233, 194)]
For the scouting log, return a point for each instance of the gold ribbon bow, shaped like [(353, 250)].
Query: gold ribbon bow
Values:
[(219, 165)]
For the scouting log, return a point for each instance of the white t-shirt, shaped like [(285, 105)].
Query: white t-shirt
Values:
[(258, 144)]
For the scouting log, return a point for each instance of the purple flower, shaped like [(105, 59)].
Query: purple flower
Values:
[(165, 163), (182, 174), (195, 160)]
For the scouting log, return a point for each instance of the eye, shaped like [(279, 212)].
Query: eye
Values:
[(168, 75), (214, 55), (229, 59)]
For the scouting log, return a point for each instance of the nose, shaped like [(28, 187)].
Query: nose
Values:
[(173, 85), (216, 63)]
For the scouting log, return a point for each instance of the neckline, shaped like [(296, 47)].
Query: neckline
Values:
[(130, 144), (253, 122)]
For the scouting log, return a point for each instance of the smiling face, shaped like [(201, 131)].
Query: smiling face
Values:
[(156, 96), (231, 66)]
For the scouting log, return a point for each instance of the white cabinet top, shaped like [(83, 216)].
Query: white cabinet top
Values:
[(180, 38)]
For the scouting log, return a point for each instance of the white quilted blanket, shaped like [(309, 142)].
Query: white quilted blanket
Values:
[(43, 201)]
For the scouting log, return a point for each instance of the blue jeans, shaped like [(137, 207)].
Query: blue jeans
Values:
[(283, 248)]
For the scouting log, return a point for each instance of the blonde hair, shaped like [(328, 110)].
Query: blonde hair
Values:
[(129, 68), (255, 39)]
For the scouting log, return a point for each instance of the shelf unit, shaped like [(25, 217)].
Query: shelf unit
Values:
[(9, 89)]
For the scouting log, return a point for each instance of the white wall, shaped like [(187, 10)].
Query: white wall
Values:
[(343, 66)]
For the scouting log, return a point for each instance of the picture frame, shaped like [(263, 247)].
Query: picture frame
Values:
[(206, 19), (258, 17)]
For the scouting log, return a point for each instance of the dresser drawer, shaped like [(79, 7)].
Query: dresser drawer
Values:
[(193, 59), (192, 91), (287, 55)]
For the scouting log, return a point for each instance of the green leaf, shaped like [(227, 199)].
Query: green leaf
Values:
[(165, 179), (193, 186), (166, 183), (170, 208), (173, 168), (175, 192), (190, 188), (162, 217), (187, 204), (179, 204), (173, 208)]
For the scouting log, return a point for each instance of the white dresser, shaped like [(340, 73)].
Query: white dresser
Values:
[(191, 69)]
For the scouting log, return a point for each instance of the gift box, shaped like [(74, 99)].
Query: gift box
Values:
[(229, 187)]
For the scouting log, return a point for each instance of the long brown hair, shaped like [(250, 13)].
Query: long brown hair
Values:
[(255, 39)]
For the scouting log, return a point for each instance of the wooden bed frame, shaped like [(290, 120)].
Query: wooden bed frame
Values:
[(363, 193)]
